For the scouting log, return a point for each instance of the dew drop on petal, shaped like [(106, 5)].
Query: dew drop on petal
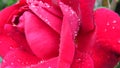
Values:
[(105, 30), (119, 41), (78, 60), (12, 63), (114, 21), (108, 23), (18, 60), (113, 27), (47, 5), (49, 67)]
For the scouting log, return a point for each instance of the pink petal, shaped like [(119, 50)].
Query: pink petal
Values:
[(18, 58), (108, 29), (70, 27), (48, 18), (43, 41)]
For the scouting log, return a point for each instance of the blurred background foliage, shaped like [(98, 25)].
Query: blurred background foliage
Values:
[(5, 3), (111, 4)]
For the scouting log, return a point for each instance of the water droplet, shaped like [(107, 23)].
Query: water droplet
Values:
[(11, 47), (78, 60), (105, 30), (113, 27), (108, 23), (47, 5), (18, 60), (119, 41), (12, 63), (49, 67), (114, 21), (42, 61), (4, 61)]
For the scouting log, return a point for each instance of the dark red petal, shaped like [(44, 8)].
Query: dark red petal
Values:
[(6, 44), (48, 18), (70, 27), (102, 57), (85, 40), (19, 58), (86, 7), (82, 60), (43, 41), (108, 29), (51, 63)]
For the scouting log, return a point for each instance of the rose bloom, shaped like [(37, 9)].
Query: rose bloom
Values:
[(59, 34)]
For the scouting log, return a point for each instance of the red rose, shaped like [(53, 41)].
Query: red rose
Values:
[(58, 34)]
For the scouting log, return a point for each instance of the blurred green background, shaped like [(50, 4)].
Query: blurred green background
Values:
[(111, 4), (4, 3)]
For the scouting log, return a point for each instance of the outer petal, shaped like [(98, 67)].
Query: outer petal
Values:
[(108, 29), (52, 63), (6, 44), (102, 57), (17, 36), (43, 41), (82, 60), (70, 27), (18, 58)]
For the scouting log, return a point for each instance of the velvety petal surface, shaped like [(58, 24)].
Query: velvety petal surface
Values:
[(18, 58), (70, 27), (6, 44), (17, 36), (108, 29), (53, 21), (86, 7), (51, 63), (82, 60), (43, 40)]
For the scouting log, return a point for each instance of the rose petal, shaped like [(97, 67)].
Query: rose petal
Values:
[(102, 57), (48, 18), (74, 4), (82, 60), (107, 29), (70, 27), (86, 7), (17, 36), (6, 15), (43, 41), (53, 8), (6, 44), (18, 58), (52, 63)]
